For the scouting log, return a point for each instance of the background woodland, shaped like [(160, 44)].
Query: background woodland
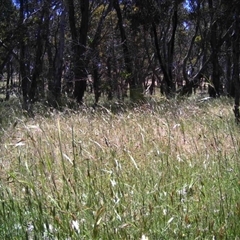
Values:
[(120, 49)]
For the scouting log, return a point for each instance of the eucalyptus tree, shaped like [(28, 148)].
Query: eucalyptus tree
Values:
[(79, 27), (197, 55), (99, 15), (236, 58), (86, 37), (209, 52), (229, 61), (8, 40), (216, 27), (161, 18), (193, 52), (34, 17), (135, 85), (216, 39), (6, 17), (56, 52), (24, 53)]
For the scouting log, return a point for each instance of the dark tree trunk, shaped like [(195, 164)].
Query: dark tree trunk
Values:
[(96, 82), (79, 38), (170, 50), (37, 68), (187, 89), (81, 63), (95, 53), (56, 63), (136, 91), (9, 75), (59, 58), (50, 70), (166, 84), (109, 75), (214, 87), (36, 89), (236, 65), (166, 62), (23, 66), (229, 83)]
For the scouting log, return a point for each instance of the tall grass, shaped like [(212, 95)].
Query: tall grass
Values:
[(156, 171)]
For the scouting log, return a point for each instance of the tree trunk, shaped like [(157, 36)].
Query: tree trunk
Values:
[(136, 91), (36, 90), (170, 50), (110, 81), (95, 53), (23, 66), (214, 89), (96, 81), (59, 58), (166, 62), (166, 84), (79, 39), (236, 65), (9, 76), (228, 83), (38, 66), (187, 89)]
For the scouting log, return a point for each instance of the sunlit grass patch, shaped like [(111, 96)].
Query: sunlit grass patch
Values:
[(153, 171)]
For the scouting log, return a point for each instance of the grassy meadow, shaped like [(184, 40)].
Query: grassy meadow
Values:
[(161, 170)]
